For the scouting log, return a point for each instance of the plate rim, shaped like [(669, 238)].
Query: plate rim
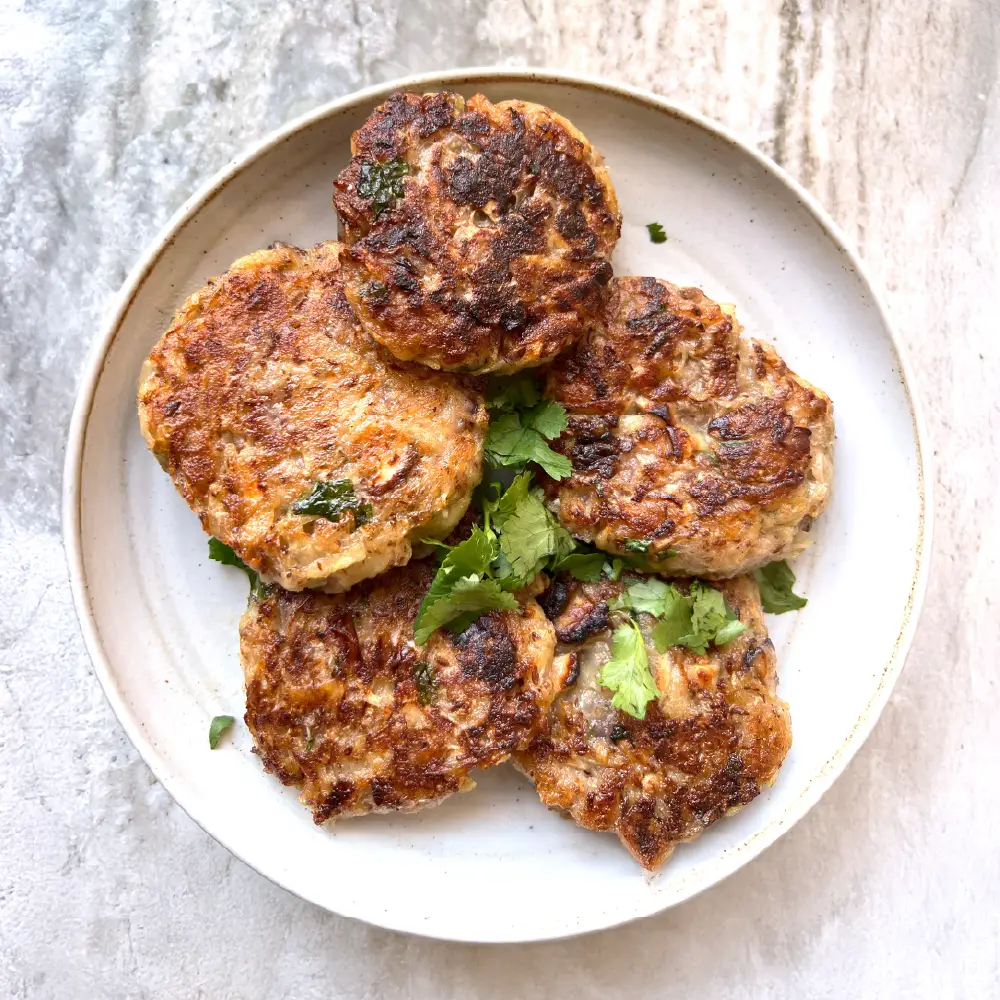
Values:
[(90, 377)]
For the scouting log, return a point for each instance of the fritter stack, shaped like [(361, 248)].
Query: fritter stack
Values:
[(593, 614)]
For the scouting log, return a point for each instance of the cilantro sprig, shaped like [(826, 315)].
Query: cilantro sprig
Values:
[(627, 672), (694, 620), (519, 538), (222, 553), (776, 581), (331, 499), (521, 424), (463, 588)]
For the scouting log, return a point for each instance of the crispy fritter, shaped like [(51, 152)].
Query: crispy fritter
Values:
[(265, 386), (686, 437), (715, 736), (483, 231), (342, 704)]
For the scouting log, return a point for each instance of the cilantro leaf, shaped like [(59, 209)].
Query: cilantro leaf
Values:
[(656, 233), (548, 418), (469, 595), (505, 395), (730, 631), (375, 292), (650, 596), (510, 443), (222, 553), (471, 557), (708, 608), (616, 565), (776, 581), (331, 499), (423, 677), (584, 566), (218, 726), (695, 620), (530, 536), (226, 555), (381, 182), (627, 672), (468, 561), (506, 503), (519, 538), (674, 625), (522, 421)]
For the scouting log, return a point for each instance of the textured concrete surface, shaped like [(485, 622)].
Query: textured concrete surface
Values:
[(112, 111)]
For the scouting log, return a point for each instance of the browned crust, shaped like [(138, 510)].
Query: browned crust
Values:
[(684, 435), (264, 384), (717, 735), (334, 700), (497, 256)]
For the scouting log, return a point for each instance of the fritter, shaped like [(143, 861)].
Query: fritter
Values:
[(483, 231), (689, 443), (715, 736), (342, 704), (309, 449)]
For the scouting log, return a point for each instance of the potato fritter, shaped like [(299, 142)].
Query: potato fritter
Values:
[(715, 736), (483, 231), (341, 702), (309, 449), (689, 442)]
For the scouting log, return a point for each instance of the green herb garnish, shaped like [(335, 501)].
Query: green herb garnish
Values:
[(330, 500), (656, 233), (381, 183), (423, 676), (222, 553), (530, 538), (467, 599), (374, 291), (521, 422), (696, 620), (584, 566), (218, 726), (519, 538), (627, 672), (636, 545), (776, 581)]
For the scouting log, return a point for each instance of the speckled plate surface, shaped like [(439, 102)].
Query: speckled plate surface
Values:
[(160, 619)]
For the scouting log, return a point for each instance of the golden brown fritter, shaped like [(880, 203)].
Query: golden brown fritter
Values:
[(483, 231), (265, 386), (715, 736), (687, 438), (342, 704)]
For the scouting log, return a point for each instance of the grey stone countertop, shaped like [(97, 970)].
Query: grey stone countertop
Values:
[(113, 111)]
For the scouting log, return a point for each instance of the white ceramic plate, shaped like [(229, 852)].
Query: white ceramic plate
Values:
[(160, 619)]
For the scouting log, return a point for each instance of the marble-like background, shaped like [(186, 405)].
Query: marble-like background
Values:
[(112, 111)]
